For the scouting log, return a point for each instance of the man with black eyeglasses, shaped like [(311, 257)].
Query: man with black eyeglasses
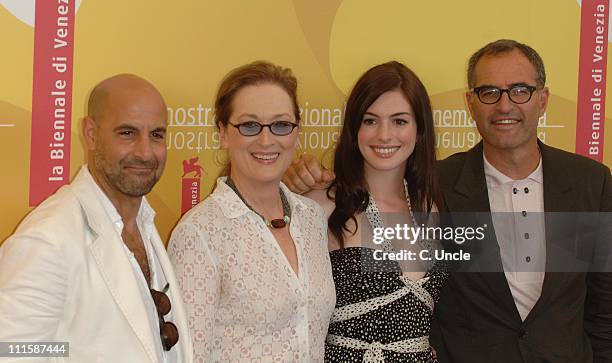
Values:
[(539, 288), (87, 266), (523, 304)]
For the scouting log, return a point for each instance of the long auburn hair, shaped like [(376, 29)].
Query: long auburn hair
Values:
[(349, 190)]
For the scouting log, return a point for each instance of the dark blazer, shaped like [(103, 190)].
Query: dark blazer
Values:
[(476, 319)]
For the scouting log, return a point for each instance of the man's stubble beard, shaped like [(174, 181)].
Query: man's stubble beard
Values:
[(125, 183)]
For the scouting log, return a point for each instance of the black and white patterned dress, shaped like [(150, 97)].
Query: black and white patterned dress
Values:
[(380, 315)]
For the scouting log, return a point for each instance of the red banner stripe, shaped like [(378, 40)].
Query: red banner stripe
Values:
[(51, 98), (190, 194), (591, 110)]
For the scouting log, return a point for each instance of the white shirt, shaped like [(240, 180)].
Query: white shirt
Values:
[(517, 208), (243, 300), (145, 222)]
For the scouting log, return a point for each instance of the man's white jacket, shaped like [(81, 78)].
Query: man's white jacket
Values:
[(65, 276)]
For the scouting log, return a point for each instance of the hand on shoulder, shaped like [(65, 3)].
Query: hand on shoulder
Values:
[(306, 174)]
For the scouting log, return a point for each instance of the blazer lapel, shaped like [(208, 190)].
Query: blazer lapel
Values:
[(108, 252), (471, 183), (557, 190), (556, 184), (473, 186)]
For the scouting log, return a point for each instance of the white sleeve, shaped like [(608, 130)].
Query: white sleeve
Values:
[(199, 279), (33, 287)]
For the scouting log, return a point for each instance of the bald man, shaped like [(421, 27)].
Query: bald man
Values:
[(87, 266)]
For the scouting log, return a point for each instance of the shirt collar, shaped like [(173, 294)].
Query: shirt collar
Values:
[(496, 178), (145, 216), (233, 207)]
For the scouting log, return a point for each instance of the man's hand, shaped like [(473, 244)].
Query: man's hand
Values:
[(306, 174)]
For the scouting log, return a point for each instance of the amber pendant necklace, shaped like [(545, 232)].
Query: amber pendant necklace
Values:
[(274, 223)]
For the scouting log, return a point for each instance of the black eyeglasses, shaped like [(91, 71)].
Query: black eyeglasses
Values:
[(167, 330), (253, 128), (517, 94)]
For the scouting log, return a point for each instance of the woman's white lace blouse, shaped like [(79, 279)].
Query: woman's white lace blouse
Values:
[(243, 300)]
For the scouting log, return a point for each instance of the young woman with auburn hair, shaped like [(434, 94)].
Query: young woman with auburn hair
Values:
[(385, 169)]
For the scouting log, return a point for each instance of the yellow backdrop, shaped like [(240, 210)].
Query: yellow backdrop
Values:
[(184, 47)]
